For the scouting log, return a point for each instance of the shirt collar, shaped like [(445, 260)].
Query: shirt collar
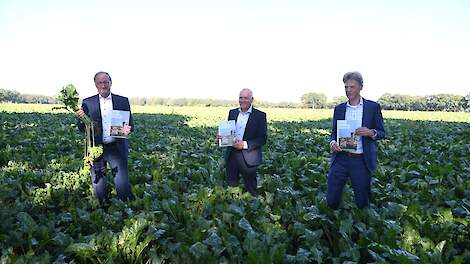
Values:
[(361, 102), (249, 109), (105, 98)]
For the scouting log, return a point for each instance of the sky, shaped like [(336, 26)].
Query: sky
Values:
[(213, 49)]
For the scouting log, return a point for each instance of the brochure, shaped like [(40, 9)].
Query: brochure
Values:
[(227, 133), (346, 136), (118, 119)]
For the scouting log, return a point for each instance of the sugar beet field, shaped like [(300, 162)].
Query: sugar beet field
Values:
[(185, 213)]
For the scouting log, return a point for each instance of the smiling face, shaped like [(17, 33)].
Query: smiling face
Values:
[(245, 99), (103, 84), (353, 91)]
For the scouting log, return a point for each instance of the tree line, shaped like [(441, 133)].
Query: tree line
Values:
[(204, 102), (437, 102), (16, 97)]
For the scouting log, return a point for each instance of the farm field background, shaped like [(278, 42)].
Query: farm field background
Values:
[(185, 213), (212, 115)]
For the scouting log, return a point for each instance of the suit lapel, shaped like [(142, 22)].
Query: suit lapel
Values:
[(365, 113), (98, 107), (233, 114), (117, 103), (250, 119), (342, 112), (113, 99)]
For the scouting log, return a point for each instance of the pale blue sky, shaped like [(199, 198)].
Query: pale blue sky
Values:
[(212, 49)]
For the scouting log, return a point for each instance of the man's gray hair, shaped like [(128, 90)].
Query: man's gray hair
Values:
[(353, 76), (248, 90)]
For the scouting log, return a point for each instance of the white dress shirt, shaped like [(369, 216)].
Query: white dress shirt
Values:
[(106, 107), (354, 112)]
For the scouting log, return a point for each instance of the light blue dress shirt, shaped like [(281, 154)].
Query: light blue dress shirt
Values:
[(242, 119)]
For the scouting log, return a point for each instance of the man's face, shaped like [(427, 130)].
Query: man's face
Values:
[(352, 89), (245, 99), (103, 84)]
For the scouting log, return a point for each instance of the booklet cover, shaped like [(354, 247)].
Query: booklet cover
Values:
[(227, 133), (118, 119), (346, 136)]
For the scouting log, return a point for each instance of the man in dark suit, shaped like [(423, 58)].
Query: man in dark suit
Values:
[(115, 150), (244, 156), (357, 165)]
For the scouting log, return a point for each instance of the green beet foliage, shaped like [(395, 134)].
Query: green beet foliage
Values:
[(69, 97), (184, 212)]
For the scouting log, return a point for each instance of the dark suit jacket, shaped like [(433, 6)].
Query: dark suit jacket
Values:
[(91, 107), (372, 119), (255, 135)]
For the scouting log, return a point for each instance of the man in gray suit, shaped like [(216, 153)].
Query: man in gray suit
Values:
[(115, 150), (245, 155)]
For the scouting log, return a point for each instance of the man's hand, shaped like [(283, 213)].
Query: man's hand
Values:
[(238, 144), (80, 113), (334, 147), (364, 132), (126, 129)]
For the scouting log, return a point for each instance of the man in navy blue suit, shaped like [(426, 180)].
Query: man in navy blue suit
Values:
[(357, 165), (115, 150), (245, 155)]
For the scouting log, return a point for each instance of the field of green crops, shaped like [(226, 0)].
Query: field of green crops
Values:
[(185, 213)]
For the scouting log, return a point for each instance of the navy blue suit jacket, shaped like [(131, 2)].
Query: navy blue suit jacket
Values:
[(91, 107), (372, 119), (255, 135)]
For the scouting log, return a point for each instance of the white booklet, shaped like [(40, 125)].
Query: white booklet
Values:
[(227, 133), (346, 136), (118, 119)]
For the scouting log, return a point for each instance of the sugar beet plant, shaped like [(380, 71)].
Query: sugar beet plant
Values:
[(69, 97)]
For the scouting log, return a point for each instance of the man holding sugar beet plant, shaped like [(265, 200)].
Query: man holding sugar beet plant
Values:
[(99, 108)]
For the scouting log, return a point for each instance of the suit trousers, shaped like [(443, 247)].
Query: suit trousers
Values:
[(236, 165), (118, 164), (345, 167)]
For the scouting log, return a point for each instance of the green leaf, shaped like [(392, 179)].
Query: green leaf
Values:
[(82, 250), (198, 250), (215, 242), (245, 225)]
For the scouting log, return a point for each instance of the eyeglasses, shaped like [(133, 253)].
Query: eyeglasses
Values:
[(103, 82)]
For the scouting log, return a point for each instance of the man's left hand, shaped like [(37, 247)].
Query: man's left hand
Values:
[(364, 132)]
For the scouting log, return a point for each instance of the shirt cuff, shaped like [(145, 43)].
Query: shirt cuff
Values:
[(332, 142), (245, 145), (375, 134)]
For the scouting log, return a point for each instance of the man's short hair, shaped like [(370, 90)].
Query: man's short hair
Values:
[(353, 76), (248, 90), (102, 72)]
